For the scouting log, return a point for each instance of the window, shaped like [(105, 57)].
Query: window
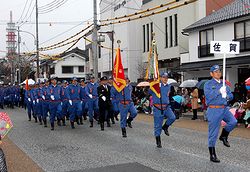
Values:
[(175, 30), (152, 30), (80, 69), (52, 70), (171, 31), (67, 69), (147, 37), (242, 34), (144, 39), (206, 36), (166, 32)]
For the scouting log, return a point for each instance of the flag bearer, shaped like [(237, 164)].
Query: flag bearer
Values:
[(126, 106), (162, 109)]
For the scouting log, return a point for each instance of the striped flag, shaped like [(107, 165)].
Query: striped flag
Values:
[(152, 73), (118, 72)]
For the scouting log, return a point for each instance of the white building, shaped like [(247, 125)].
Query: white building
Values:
[(71, 64), (229, 23), (128, 33), (167, 27)]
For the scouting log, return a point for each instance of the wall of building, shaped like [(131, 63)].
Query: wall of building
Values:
[(69, 60)]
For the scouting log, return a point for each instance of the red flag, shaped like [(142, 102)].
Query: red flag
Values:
[(118, 72)]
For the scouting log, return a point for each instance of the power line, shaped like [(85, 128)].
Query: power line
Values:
[(23, 11), (44, 11)]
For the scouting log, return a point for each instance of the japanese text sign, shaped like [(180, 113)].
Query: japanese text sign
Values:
[(225, 47)]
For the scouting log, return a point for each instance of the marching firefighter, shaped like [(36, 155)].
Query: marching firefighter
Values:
[(162, 109), (217, 98)]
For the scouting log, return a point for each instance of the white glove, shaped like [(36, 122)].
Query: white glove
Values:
[(43, 97), (52, 97), (103, 98), (90, 95), (81, 102), (34, 102), (61, 103), (37, 100), (223, 91), (29, 99), (70, 102), (15, 96)]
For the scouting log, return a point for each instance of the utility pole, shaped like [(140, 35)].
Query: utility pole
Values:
[(95, 42), (37, 44), (18, 49)]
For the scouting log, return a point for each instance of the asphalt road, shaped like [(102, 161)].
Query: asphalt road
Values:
[(91, 150)]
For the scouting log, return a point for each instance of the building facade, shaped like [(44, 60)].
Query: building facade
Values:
[(230, 23)]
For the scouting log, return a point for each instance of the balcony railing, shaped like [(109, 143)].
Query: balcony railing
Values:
[(244, 44), (204, 51)]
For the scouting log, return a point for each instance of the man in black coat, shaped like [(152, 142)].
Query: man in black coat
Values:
[(104, 101)]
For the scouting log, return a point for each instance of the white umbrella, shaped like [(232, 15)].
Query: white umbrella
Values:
[(143, 84), (189, 83), (171, 81), (30, 82)]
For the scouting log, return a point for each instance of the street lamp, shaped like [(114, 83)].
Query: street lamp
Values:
[(19, 41), (101, 38)]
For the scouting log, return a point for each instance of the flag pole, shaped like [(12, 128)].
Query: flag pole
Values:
[(224, 69)]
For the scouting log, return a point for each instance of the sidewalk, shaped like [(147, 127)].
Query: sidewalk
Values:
[(197, 125), (17, 160)]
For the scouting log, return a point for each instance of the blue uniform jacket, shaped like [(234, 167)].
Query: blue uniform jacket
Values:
[(83, 94), (45, 92), (213, 95), (65, 93), (55, 90), (165, 91), (74, 92), (91, 88), (125, 94)]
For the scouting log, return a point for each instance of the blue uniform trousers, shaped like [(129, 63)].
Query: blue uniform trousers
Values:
[(45, 108), (65, 108), (124, 110), (55, 110), (84, 107), (29, 108), (215, 116), (75, 109), (92, 107), (159, 117), (39, 109)]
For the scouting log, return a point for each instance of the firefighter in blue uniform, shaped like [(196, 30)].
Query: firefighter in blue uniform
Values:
[(65, 101), (91, 90), (55, 107), (45, 102), (126, 106), (1, 96), (29, 96), (17, 95), (84, 98), (162, 109), (39, 102), (217, 98), (33, 100), (75, 106), (12, 96)]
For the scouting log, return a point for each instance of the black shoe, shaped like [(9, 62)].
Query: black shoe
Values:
[(124, 134), (116, 118), (129, 120), (223, 137), (213, 156), (102, 126), (40, 121), (113, 121), (72, 124), (29, 119), (52, 126), (91, 124), (165, 129), (193, 118), (158, 141)]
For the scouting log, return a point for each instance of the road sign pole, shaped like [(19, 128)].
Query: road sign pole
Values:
[(224, 69)]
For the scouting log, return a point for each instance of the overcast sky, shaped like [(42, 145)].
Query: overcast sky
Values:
[(74, 11)]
